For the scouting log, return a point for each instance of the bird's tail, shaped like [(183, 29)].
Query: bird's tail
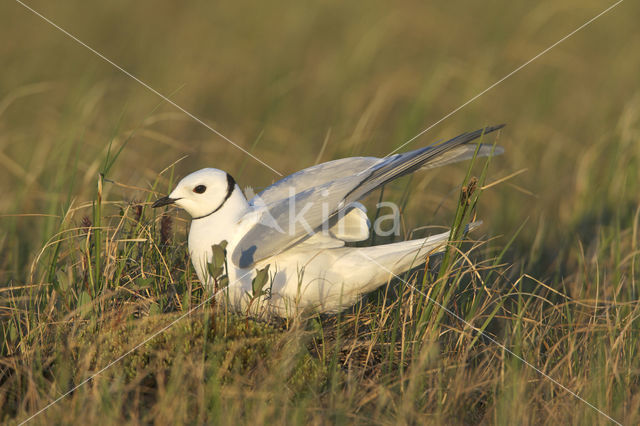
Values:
[(399, 257)]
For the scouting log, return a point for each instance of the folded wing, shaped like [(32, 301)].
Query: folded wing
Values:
[(318, 197)]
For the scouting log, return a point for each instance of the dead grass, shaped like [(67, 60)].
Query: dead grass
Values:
[(88, 272)]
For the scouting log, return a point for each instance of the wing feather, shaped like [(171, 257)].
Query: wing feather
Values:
[(313, 176), (312, 199)]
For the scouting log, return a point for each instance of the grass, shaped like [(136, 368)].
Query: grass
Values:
[(88, 271)]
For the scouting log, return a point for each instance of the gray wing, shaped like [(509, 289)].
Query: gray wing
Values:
[(315, 198), (313, 176)]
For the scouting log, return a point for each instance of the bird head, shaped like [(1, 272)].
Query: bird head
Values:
[(201, 193)]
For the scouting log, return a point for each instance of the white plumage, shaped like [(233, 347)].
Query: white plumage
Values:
[(299, 225)]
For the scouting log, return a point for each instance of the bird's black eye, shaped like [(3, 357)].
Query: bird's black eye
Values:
[(199, 189)]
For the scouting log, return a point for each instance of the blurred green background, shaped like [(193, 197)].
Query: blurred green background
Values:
[(281, 78)]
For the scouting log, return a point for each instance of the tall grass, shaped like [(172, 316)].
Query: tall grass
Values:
[(396, 356), (553, 274)]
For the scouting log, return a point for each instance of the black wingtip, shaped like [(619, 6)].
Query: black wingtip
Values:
[(468, 137), (490, 129)]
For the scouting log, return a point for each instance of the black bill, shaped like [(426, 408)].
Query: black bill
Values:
[(164, 201)]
